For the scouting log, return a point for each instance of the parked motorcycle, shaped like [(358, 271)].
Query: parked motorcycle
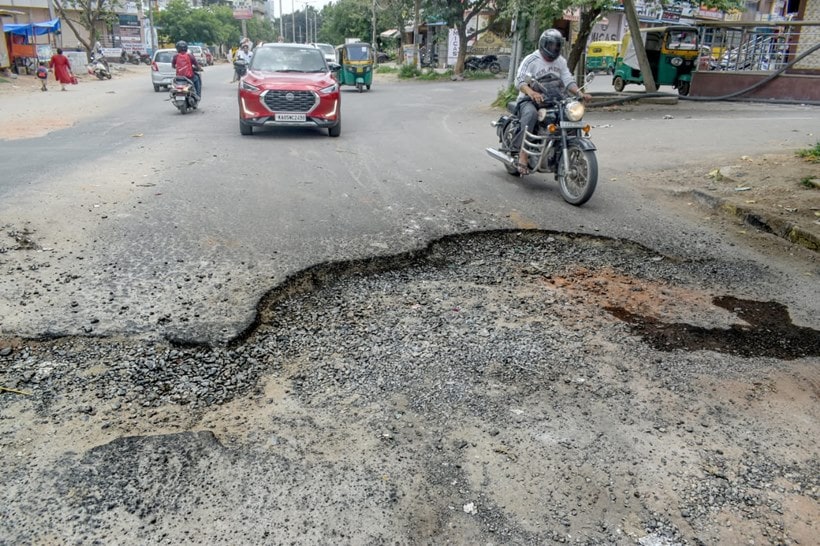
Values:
[(483, 62), (183, 94), (145, 58), (560, 143), (128, 57), (99, 67)]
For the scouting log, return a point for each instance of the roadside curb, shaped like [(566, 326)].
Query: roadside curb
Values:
[(758, 220)]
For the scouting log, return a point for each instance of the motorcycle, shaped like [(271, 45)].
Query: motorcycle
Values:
[(99, 67), (128, 57), (484, 62), (560, 143), (183, 94), (145, 58)]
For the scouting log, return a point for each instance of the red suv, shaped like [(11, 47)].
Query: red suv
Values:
[(289, 85)]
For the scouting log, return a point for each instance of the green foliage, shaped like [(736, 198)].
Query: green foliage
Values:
[(408, 71), (505, 95), (382, 69), (810, 154), (478, 75), (432, 75), (346, 19), (211, 25)]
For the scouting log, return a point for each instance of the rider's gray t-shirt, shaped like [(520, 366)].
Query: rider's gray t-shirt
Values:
[(535, 66)]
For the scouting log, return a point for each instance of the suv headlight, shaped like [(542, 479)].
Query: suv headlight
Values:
[(248, 87), (575, 111), (329, 89)]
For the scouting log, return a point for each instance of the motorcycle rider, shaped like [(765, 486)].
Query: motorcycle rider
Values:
[(544, 60), (187, 67)]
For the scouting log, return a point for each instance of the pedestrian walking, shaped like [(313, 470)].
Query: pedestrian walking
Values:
[(62, 68), (42, 75)]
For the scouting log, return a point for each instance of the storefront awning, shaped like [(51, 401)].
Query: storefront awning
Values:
[(32, 29), (392, 33)]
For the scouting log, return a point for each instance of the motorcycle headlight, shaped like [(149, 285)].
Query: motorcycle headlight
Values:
[(248, 87), (575, 111), (329, 89), (676, 61)]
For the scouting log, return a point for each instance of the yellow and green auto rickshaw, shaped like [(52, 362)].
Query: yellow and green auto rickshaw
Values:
[(357, 60), (672, 52), (602, 55)]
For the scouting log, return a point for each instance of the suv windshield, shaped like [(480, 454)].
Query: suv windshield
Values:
[(288, 59)]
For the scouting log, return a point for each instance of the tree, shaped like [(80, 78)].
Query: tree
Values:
[(545, 12), (346, 19), (459, 13), (88, 14)]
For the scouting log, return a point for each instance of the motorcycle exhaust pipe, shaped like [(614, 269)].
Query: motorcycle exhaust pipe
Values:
[(501, 156)]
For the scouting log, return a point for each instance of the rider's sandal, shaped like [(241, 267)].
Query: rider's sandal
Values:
[(523, 169)]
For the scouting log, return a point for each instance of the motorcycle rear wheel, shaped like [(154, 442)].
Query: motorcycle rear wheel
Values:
[(578, 185), (495, 68)]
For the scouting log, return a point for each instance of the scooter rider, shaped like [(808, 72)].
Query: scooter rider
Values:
[(243, 55), (546, 59), (187, 67)]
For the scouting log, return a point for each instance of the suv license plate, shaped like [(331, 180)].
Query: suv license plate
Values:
[(290, 117), (573, 124)]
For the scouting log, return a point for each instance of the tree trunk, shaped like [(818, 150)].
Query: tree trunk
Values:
[(588, 18)]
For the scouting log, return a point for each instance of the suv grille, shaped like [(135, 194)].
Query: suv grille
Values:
[(290, 101)]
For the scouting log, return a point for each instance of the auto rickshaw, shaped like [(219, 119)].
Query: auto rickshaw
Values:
[(672, 52), (357, 60), (602, 56)]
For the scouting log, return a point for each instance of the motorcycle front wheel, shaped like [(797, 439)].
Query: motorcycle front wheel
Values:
[(495, 67), (578, 184)]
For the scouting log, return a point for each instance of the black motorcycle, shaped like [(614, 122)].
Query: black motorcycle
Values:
[(560, 143), (483, 62)]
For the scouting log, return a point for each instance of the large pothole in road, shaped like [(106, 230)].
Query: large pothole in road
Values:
[(514, 387)]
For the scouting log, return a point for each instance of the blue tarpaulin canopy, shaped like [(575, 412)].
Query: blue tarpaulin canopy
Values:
[(33, 29)]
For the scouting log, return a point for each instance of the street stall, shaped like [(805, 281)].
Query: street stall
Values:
[(21, 42)]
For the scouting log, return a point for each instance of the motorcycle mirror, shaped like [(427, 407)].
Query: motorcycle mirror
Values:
[(589, 77)]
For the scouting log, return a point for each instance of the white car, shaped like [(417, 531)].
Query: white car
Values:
[(199, 55), (328, 51), (162, 73)]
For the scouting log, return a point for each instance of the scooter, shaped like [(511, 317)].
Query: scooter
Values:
[(99, 67), (241, 67), (183, 94)]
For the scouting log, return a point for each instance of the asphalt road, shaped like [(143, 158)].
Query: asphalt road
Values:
[(151, 223), (634, 375)]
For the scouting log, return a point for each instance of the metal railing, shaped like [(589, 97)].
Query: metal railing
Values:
[(758, 46)]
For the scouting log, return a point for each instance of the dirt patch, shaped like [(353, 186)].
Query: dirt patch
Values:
[(770, 193)]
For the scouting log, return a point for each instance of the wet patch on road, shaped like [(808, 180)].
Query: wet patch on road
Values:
[(768, 332)]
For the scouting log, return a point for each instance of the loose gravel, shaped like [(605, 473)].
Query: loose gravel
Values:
[(480, 391)]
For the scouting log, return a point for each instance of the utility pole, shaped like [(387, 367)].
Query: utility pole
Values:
[(373, 19), (293, 18), (307, 34), (281, 21), (416, 9), (637, 43)]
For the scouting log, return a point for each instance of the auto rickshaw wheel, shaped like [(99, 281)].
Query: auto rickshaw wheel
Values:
[(368, 87), (683, 88), (618, 83), (359, 87)]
